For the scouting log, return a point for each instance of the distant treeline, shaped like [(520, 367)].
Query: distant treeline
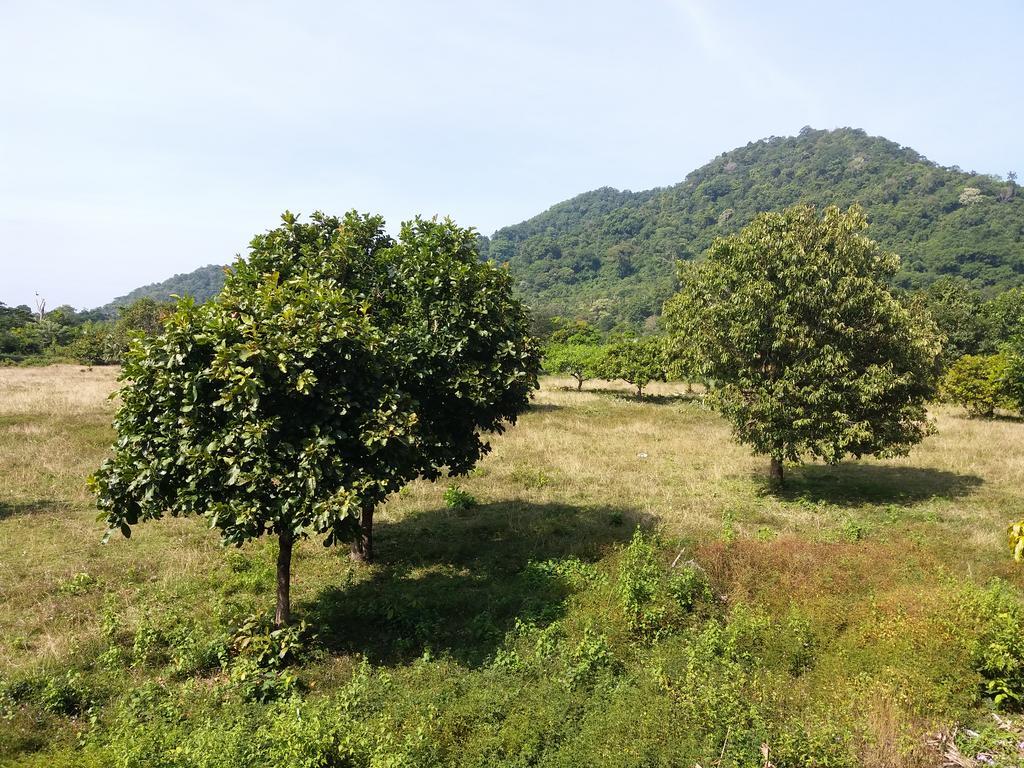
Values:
[(971, 324), (89, 337)]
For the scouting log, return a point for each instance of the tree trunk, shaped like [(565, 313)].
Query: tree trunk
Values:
[(362, 547), (579, 384), (775, 471), (689, 387), (283, 615), (639, 390)]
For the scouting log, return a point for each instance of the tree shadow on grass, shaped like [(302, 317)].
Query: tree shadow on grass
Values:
[(649, 399), (27, 508), (455, 583), (855, 483), (543, 407)]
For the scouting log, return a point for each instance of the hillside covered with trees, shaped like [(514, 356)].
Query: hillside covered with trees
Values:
[(200, 284), (610, 256)]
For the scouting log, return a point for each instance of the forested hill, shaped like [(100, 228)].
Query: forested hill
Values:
[(200, 284), (609, 256)]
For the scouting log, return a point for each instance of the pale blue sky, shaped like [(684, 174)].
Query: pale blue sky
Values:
[(140, 139)]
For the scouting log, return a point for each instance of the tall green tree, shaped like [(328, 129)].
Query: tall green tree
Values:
[(1004, 318), (335, 366), (814, 355)]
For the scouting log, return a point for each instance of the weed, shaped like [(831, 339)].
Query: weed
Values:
[(79, 584), (728, 527), (64, 694), (458, 500), (998, 652), (533, 479)]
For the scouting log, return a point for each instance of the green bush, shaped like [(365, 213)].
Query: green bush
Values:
[(458, 500), (998, 651), (65, 694), (260, 656), (654, 598), (979, 383)]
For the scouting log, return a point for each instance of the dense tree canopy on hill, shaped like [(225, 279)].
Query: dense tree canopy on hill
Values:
[(200, 284), (609, 256)]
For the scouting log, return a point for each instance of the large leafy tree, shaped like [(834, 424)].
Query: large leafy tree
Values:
[(335, 366), (814, 355)]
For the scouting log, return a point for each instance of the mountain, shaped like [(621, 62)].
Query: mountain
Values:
[(610, 256), (200, 284)]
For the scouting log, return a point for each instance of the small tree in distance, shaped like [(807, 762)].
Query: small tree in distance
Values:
[(635, 361), (335, 366), (978, 383), (581, 361), (813, 354)]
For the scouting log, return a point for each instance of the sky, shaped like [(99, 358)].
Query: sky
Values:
[(143, 139)]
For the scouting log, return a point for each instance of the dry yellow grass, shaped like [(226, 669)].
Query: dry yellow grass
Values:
[(666, 461), (871, 554)]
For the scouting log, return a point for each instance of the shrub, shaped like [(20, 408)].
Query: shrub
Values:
[(655, 599), (458, 500), (260, 655), (998, 652)]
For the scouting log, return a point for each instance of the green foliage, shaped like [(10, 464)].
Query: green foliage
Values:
[(656, 599), (64, 694), (637, 361), (998, 651), (608, 256), (335, 366), (260, 657), (979, 383), (959, 315), (574, 332), (1013, 376), (581, 361), (79, 584), (458, 500), (201, 285), (814, 354), (1004, 318), (142, 318), (63, 334)]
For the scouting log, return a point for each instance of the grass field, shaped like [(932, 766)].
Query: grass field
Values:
[(846, 620)]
